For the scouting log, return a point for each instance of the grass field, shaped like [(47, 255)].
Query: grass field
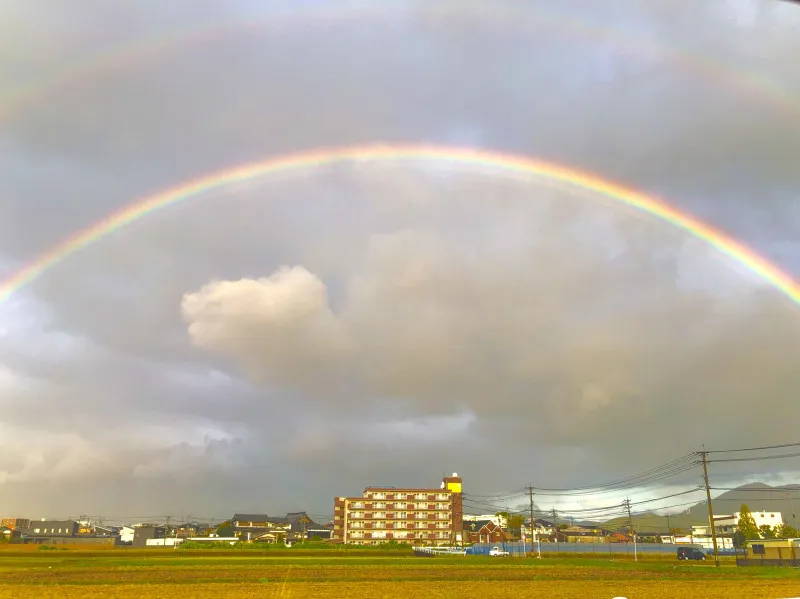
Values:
[(207, 574)]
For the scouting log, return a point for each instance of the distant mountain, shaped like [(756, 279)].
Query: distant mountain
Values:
[(757, 496)]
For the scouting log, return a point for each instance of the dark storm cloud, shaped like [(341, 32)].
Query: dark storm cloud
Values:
[(495, 313)]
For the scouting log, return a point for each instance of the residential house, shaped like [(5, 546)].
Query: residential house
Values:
[(189, 530), (486, 531), (410, 515), (302, 527), (544, 530), (260, 527)]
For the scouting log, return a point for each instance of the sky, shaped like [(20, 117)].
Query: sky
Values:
[(268, 346)]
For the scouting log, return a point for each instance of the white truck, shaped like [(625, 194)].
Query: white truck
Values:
[(497, 552)]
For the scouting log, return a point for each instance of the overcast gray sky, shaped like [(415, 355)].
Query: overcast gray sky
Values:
[(268, 346)]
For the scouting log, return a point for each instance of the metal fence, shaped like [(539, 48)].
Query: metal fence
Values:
[(516, 548)]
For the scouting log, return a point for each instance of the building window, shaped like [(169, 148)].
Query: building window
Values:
[(758, 550)]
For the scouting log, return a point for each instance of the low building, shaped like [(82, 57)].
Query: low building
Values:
[(39, 529), (775, 552), (543, 529), (15, 523), (486, 531), (302, 527), (145, 533), (729, 523), (260, 527)]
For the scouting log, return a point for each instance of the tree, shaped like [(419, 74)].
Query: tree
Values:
[(747, 524), (503, 516), (739, 541), (225, 529), (785, 531), (766, 531), (511, 522), (514, 523)]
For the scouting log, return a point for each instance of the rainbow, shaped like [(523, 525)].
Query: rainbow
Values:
[(507, 163), (443, 14)]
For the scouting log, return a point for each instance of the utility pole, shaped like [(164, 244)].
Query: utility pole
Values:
[(627, 505), (555, 527), (704, 455), (533, 533)]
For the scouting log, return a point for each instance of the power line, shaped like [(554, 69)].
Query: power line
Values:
[(671, 468), (766, 447), (757, 458), (770, 490), (604, 511)]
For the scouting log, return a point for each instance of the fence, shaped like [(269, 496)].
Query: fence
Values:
[(517, 549)]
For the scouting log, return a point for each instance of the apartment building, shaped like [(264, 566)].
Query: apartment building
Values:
[(405, 515)]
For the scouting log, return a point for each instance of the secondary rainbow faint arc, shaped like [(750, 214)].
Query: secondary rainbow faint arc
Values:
[(508, 15), (466, 156)]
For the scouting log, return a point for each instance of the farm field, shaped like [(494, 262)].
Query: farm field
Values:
[(157, 574)]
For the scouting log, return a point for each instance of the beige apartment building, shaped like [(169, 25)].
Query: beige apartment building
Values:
[(404, 515)]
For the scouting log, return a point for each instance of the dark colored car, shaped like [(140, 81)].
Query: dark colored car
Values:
[(690, 553)]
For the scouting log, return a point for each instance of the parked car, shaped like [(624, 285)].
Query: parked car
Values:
[(497, 552), (690, 553)]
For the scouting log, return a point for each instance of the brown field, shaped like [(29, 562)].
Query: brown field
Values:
[(169, 573)]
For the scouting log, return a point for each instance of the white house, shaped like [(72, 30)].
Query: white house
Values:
[(730, 522), (126, 534), (773, 519), (498, 521)]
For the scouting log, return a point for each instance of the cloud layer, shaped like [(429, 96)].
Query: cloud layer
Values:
[(462, 320)]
